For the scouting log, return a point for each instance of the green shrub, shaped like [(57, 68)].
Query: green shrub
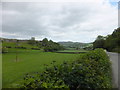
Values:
[(92, 70)]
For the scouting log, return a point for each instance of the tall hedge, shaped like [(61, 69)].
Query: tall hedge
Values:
[(91, 70)]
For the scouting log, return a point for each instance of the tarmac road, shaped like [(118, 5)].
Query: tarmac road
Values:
[(114, 57)]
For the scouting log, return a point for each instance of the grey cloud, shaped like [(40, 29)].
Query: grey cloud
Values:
[(22, 23), (71, 16), (67, 21)]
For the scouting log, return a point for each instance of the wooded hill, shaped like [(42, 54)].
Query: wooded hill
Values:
[(75, 45)]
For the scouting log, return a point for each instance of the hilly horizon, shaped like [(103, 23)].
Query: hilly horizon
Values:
[(70, 44), (49, 39)]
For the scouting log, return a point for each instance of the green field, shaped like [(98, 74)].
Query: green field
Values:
[(28, 61), (20, 44), (72, 51)]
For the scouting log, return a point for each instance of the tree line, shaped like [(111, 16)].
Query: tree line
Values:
[(47, 45), (110, 42)]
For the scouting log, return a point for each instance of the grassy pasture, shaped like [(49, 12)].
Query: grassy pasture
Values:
[(20, 44), (72, 51), (28, 61)]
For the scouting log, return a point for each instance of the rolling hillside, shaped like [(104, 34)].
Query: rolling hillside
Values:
[(74, 45)]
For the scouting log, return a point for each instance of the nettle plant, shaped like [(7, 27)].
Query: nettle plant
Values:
[(91, 70)]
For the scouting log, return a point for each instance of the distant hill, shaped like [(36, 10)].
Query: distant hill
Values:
[(70, 44), (17, 43)]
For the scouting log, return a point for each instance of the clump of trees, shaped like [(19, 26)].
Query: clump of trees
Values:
[(99, 42), (47, 45), (50, 46), (110, 42)]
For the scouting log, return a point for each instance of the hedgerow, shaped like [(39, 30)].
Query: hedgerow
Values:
[(91, 70)]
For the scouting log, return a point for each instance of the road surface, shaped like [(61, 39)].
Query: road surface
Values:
[(114, 57)]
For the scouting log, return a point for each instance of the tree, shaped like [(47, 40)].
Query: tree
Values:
[(50, 46), (45, 42), (99, 42), (110, 42)]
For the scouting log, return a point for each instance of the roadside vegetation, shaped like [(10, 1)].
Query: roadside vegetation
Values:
[(110, 42), (91, 70)]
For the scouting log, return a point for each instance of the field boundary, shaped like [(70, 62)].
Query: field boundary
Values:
[(71, 52)]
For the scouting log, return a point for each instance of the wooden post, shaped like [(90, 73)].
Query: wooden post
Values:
[(16, 51)]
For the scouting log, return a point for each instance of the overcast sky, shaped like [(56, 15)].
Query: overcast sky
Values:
[(59, 21)]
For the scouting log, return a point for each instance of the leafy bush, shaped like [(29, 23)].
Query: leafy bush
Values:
[(92, 70)]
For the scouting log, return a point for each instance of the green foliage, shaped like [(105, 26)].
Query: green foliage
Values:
[(50, 46), (42, 81), (110, 42), (99, 42), (45, 42), (91, 70)]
